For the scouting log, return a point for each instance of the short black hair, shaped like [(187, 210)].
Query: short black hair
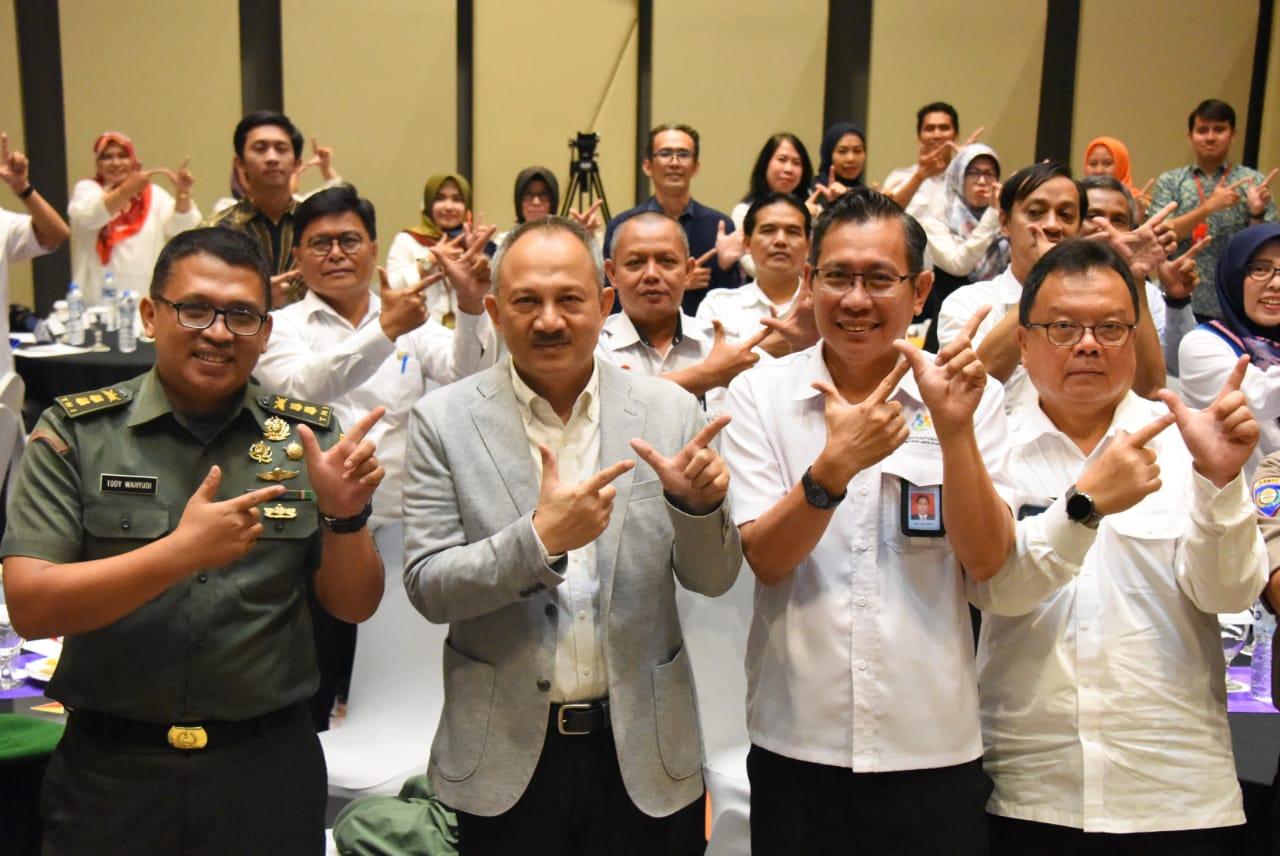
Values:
[(266, 117), (749, 223), (864, 205), (332, 201), (759, 182), (685, 129), (1025, 181), (1107, 182), (1212, 110), (937, 107), (234, 248), (1075, 255)]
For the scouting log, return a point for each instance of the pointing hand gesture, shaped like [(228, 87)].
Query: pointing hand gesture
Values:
[(700, 276), (1224, 195), (1221, 437), (952, 385), (346, 474), (13, 166), (572, 516), (1258, 194), (403, 309), (695, 479), (225, 531), (1126, 471), (729, 247), (863, 434), (460, 266)]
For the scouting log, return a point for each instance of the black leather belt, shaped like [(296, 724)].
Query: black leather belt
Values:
[(184, 736), (579, 718)]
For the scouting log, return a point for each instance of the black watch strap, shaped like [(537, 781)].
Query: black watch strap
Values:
[(817, 495), (347, 525)]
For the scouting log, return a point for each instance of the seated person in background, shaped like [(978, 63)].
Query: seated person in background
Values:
[(648, 267), (22, 236), (844, 157), (446, 213), (672, 163), (120, 221), (1108, 157), (357, 350), (783, 166), (135, 533), (1214, 197), (267, 147), (1040, 206), (777, 234), (1168, 300), (537, 195), (1103, 703), (965, 244), (920, 188), (1248, 285)]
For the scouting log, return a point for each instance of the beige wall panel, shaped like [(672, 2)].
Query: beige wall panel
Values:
[(739, 73), (377, 83), (1269, 147), (20, 288), (983, 58), (543, 72), (1123, 90), (176, 94)]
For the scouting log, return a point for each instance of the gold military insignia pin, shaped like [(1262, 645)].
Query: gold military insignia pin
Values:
[(260, 452), (279, 512), (275, 429), (294, 451), (278, 474)]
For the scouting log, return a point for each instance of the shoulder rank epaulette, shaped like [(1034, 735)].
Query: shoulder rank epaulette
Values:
[(83, 403), (320, 415)]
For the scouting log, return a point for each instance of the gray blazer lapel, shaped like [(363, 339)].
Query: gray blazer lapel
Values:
[(621, 418), (500, 428)]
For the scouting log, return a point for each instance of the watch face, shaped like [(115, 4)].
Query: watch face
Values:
[(1079, 507)]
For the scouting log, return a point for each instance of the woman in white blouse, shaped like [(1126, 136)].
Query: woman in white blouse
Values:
[(120, 220)]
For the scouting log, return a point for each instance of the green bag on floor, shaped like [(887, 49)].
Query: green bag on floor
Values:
[(414, 823)]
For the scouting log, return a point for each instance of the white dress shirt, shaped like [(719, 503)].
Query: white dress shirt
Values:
[(1103, 700), (740, 309), (316, 354), (621, 344), (863, 657), (1205, 361), (930, 198), (17, 244), (581, 670)]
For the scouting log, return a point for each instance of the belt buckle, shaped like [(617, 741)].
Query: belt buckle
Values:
[(187, 737), (560, 717)]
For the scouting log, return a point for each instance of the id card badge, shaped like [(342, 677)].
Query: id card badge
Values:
[(922, 510)]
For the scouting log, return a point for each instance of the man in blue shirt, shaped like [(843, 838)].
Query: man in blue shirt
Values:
[(672, 163)]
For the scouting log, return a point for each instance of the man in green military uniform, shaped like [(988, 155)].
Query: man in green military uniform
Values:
[(168, 528)]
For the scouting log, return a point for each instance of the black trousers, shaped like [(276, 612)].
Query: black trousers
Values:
[(265, 795), (798, 807), (1012, 837), (576, 803)]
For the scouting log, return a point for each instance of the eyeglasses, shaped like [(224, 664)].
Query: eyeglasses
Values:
[(1064, 334), (348, 242), (198, 316), (531, 195), (877, 284), (981, 175), (1261, 271), (673, 154)]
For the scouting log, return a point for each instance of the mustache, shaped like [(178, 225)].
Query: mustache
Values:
[(558, 338)]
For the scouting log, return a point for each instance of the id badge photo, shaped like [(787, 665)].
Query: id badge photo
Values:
[(921, 514)]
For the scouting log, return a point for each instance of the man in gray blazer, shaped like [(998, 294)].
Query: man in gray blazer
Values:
[(570, 723)]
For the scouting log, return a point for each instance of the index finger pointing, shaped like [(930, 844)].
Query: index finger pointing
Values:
[(1270, 176), (750, 344), (705, 256), (971, 326), (707, 434), (356, 433), (1148, 432), (1197, 247), (608, 474), (1235, 378), (255, 497), (889, 384), (1159, 217)]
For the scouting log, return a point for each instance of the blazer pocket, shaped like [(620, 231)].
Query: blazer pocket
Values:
[(676, 713), (645, 490), (464, 724)]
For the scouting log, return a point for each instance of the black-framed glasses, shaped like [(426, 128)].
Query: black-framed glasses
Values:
[(877, 283), (198, 316), (1261, 271), (1064, 334), (348, 242), (673, 154), (531, 195), (981, 174)]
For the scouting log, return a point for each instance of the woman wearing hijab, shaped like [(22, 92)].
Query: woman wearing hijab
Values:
[(1110, 157), (446, 214), (537, 195), (120, 220), (783, 166), (844, 157), (1248, 288)]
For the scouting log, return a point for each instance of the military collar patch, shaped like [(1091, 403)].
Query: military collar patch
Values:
[(320, 415), (81, 403)]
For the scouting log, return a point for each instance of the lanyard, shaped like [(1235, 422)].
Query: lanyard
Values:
[(1226, 170)]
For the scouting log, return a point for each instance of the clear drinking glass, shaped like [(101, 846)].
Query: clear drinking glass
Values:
[(10, 645), (1235, 635)]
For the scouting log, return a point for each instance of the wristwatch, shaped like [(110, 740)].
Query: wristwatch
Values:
[(1080, 508), (817, 495)]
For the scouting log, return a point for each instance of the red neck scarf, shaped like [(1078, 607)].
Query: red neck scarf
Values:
[(128, 222)]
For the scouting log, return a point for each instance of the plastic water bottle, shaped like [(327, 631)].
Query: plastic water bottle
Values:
[(111, 300), (1264, 626), (75, 315), (128, 338)]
